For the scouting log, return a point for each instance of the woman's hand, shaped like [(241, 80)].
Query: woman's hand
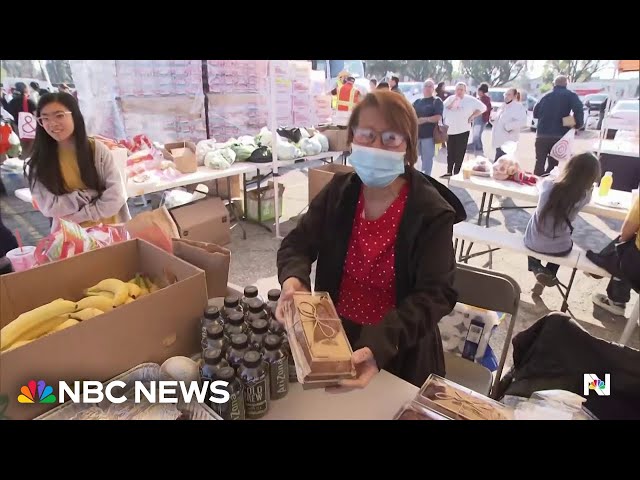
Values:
[(366, 369), (289, 287)]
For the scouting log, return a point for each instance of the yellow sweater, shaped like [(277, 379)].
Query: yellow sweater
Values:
[(70, 171)]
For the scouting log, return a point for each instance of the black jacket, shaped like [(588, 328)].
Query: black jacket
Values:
[(556, 352), (15, 106), (553, 107), (407, 341)]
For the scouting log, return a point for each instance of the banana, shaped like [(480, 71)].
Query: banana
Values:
[(45, 327), (119, 289), (142, 284), (99, 302), (17, 344), (69, 323), (150, 285), (86, 314), (100, 293), (41, 318), (134, 290), (129, 300)]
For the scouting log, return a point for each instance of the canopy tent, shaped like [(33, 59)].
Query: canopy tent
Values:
[(628, 66)]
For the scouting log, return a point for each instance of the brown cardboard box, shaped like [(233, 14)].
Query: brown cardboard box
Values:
[(211, 258), (151, 329), (219, 187), (205, 220), (319, 177), (337, 139), (183, 154)]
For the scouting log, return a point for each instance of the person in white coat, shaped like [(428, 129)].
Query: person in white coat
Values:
[(509, 120)]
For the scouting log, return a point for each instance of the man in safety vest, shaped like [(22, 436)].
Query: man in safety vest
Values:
[(342, 79), (348, 96)]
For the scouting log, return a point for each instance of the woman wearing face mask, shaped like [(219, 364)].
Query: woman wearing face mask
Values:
[(70, 175), (382, 239), (510, 119)]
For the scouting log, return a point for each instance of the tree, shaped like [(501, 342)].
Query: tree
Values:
[(416, 69), (495, 72), (59, 71), (575, 70)]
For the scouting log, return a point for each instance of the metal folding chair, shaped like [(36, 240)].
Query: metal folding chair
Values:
[(490, 290)]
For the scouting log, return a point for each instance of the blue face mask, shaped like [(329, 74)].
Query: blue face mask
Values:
[(376, 168)]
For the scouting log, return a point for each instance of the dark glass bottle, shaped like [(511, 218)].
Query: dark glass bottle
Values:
[(211, 316), (277, 366), (215, 338), (239, 346), (255, 385), (259, 330), (231, 305), (235, 324), (234, 408)]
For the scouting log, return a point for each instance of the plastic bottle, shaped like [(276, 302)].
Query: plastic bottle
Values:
[(213, 361), (215, 338), (239, 346), (211, 316), (234, 408), (259, 329), (276, 359), (272, 302), (250, 292), (231, 305), (235, 324), (255, 384), (605, 184)]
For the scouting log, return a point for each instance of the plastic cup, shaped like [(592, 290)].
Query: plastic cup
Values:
[(22, 259)]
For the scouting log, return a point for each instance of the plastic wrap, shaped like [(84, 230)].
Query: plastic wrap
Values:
[(549, 405), (145, 372)]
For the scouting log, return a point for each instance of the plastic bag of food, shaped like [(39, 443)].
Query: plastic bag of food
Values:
[(480, 166)]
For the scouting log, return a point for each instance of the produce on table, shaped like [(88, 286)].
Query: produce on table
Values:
[(61, 314)]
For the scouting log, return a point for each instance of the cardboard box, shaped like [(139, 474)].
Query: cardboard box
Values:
[(267, 202), (211, 258), (183, 154), (319, 177), (337, 139), (205, 220), (151, 329)]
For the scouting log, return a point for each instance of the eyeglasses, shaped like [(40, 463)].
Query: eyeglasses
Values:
[(57, 117), (367, 136)]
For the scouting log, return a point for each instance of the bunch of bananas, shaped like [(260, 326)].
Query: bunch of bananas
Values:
[(60, 314)]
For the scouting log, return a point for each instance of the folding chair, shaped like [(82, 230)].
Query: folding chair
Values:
[(490, 290)]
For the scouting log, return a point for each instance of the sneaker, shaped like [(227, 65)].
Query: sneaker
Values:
[(537, 289), (606, 303), (546, 279)]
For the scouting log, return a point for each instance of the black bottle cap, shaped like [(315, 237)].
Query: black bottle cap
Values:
[(252, 359), (212, 313), (212, 356), (256, 305), (215, 331), (236, 318), (231, 301), (272, 342), (226, 373), (260, 325), (276, 327), (251, 291), (239, 341), (274, 295)]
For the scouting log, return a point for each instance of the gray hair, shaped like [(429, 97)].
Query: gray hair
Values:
[(462, 84), (429, 82)]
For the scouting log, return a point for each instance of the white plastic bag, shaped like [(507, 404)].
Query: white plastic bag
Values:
[(563, 148)]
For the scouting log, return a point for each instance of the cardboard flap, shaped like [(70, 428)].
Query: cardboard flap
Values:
[(211, 258), (205, 220), (156, 227)]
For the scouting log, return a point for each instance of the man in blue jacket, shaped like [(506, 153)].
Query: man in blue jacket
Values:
[(550, 111)]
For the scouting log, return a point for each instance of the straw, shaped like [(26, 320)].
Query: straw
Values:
[(19, 238)]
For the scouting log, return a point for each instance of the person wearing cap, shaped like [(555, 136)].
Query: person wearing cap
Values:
[(348, 96), (429, 111)]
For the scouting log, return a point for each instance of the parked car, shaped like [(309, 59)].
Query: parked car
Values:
[(623, 116), (596, 102), (497, 100), (411, 90)]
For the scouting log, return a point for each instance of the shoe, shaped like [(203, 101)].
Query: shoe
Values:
[(593, 275), (446, 175), (537, 289), (607, 304), (546, 279)]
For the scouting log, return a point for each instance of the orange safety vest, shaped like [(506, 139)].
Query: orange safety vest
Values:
[(348, 96)]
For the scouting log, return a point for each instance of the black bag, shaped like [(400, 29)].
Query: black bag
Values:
[(261, 155), (292, 134)]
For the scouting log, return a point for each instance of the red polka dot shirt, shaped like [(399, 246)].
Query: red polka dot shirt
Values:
[(368, 288)]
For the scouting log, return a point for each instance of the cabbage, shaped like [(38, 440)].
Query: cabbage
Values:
[(247, 140), (220, 159), (264, 138), (202, 148), (310, 147), (243, 152), (287, 150), (324, 141)]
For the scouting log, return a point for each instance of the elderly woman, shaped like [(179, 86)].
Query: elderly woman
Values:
[(382, 239), (429, 111), (460, 110), (510, 119)]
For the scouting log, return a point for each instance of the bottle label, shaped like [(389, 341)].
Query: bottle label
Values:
[(256, 398), (233, 409), (279, 378)]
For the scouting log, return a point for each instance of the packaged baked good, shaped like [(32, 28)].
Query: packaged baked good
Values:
[(460, 403), (415, 411)]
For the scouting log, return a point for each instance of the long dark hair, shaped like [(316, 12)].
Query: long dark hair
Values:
[(574, 182), (44, 166)]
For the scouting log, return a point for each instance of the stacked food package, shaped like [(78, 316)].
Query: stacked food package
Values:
[(300, 73)]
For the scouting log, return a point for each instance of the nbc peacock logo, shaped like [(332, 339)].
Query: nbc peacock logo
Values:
[(36, 392)]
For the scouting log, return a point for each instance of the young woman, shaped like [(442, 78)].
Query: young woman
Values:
[(510, 119), (70, 175), (382, 238), (549, 229)]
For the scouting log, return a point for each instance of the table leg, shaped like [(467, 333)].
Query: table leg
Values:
[(232, 208), (489, 210), (565, 305), (480, 213), (244, 193)]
